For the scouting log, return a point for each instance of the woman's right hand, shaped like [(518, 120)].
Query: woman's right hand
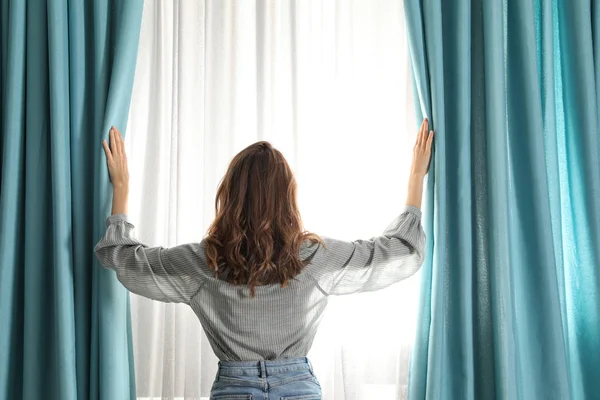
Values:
[(422, 151)]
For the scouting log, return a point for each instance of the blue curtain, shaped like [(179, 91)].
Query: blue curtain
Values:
[(510, 306), (67, 70)]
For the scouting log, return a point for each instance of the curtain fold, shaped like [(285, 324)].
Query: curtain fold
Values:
[(509, 304), (66, 76)]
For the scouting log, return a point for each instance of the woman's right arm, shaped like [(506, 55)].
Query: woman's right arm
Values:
[(342, 267), (366, 265)]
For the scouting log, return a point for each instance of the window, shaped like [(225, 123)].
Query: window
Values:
[(328, 84)]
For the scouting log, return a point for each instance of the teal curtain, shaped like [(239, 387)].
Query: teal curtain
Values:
[(67, 70), (510, 306)]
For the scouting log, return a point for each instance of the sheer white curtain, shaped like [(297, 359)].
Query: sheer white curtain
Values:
[(327, 82)]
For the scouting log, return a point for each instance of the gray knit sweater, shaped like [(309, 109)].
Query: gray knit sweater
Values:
[(277, 323)]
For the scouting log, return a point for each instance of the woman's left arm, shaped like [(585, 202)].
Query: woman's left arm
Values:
[(169, 275)]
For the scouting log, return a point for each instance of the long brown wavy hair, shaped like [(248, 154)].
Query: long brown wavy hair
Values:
[(257, 233)]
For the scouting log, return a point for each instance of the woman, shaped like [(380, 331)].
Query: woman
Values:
[(258, 282)]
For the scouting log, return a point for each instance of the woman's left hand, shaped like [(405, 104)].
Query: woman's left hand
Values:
[(116, 158)]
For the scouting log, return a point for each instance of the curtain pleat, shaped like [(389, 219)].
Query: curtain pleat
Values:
[(67, 74), (511, 306)]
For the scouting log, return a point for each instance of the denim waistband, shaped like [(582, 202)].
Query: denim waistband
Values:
[(264, 368)]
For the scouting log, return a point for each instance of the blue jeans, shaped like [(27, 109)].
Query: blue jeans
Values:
[(286, 379)]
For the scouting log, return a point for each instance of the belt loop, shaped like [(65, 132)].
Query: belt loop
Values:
[(310, 367), (263, 370), (218, 374)]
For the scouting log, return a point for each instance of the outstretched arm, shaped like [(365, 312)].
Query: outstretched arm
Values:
[(169, 275), (365, 265), (165, 274)]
